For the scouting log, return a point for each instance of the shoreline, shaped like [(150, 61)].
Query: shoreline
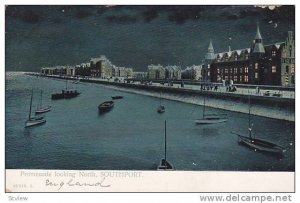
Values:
[(270, 107), (224, 105)]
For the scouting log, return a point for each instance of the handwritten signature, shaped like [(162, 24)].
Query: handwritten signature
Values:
[(74, 183)]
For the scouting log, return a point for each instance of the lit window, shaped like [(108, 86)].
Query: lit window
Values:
[(246, 70), (256, 66), (256, 75), (273, 53), (226, 70), (208, 66), (235, 78), (293, 68), (218, 70), (235, 57), (208, 73), (235, 70), (226, 77), (273, 69), (241, 70), (246, 78), (247, 56), (241, 78)]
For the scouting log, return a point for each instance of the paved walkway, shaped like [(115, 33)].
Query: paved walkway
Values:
[(239, 90)]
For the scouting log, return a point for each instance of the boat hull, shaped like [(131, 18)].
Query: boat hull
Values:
[(43, 110), (117, 97), (105, 106), (34, 122), (210, 120), (65, 95), (165, 165), (261, 145), (161, 109)]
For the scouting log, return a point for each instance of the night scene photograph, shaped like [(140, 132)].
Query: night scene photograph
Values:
[(150, 87)]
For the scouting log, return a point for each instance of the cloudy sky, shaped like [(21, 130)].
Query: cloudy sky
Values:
[(134, 36)]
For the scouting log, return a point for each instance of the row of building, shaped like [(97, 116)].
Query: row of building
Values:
[(97, 67), (259, 64), (101, 67)]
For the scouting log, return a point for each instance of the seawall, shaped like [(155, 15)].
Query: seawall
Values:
[(267, 106)]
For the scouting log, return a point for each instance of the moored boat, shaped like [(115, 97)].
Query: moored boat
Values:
[(161, 109), (41, 108), (210, 118), (258, 144), (65, 94), (261, 145), (117, 97), (33, 121), (164, 164), (106, 106)]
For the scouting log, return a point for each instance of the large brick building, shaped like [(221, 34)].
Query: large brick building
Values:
[(260, 64)]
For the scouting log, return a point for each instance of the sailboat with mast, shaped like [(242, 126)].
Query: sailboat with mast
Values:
[(210, 118), (161, 108), (65, 94), (255, 143), (164, 164), (33, 121), (41, 108)]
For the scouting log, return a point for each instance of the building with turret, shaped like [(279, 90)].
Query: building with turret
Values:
[(260, 64), (209, 59)]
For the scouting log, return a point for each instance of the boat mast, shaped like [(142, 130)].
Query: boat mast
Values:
[(66, 84), (203, 107), (249, 116), (165, 142), (41, 98), (29, 116), (160, 99)]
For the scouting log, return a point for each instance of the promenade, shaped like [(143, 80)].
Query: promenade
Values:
[(278, 107)]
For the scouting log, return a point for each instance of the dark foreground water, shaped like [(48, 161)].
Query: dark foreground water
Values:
[(131, 135)]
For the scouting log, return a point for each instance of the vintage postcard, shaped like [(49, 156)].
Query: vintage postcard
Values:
[(150, 98)]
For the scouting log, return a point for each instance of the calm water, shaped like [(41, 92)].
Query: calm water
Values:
[(131, 135)]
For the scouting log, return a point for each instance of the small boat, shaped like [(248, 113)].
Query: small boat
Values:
[(30, 123), (211, 118), (117, 97), (33, 121), (161, 108), (41, 108), (76, 81), (106, 106), (258, 144), (164, 164), (261, 145), (65, 94)]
